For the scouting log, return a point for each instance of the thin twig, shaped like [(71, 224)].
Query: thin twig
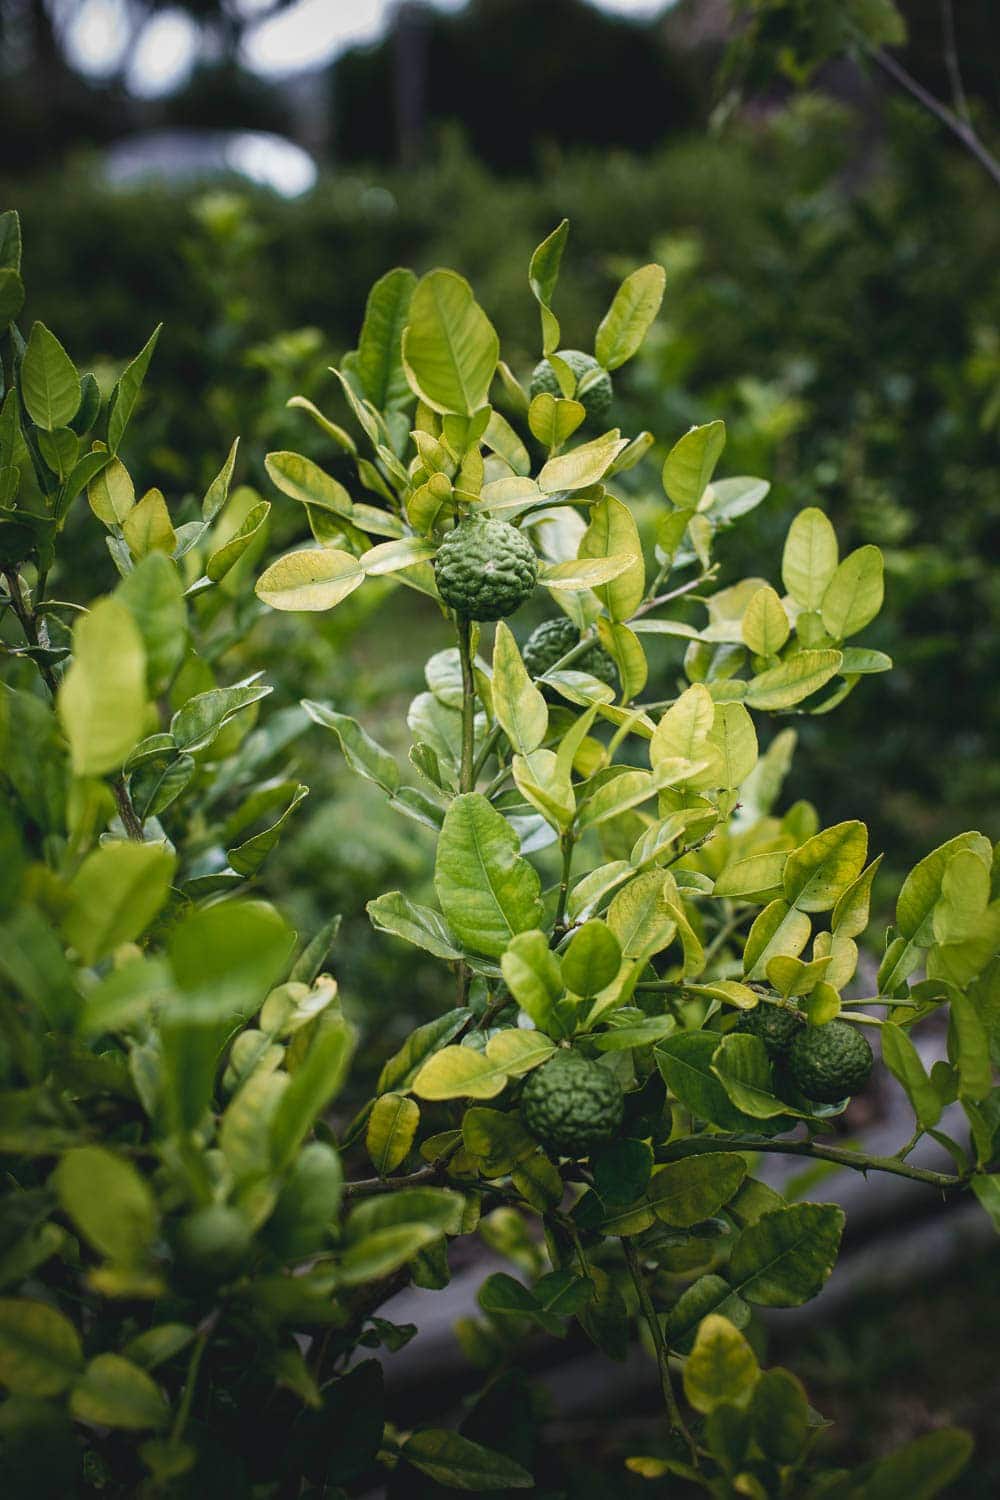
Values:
[(659, 1343), (29, 625), (566, 844), (958, 127), (958, 97), (131, 821), (859, 1161), (677, 593), (187, 1398)]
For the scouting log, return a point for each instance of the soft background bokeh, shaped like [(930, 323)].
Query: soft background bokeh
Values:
[(243, 169)]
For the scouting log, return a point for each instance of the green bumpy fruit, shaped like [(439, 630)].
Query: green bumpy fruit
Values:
[(485, 569), (830, 1062), (213, 1243), (572, 1105), (776, 1027), (595, 398), (550, 642)]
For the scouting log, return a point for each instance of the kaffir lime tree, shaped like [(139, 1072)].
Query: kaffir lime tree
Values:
[(643, 961)]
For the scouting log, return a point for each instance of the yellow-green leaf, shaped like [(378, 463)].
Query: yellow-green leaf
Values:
[(314, 580), (809, 560), (854, 594), (517, 703), (392, 1126), (613, 533), (691, 462), (450, 347), (102, 698), (628, 319), (721, 1368), (765, 624)]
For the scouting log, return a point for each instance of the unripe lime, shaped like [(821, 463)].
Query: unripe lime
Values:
[(830, 1062), (572, 1105), (593, 383), (213, 1244), (485, 569), (776, 1027), (549, 643)]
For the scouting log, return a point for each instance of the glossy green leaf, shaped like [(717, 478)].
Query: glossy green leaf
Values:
[(758, 877), (517, 703), (533, 976), (392, 1126), (114, 896), (108, 1201), (50, 386), (314, 580), (779, 929), (379, 361), (401, 1069), (196, 725), (543, 274), (582, 466), (613, 533), (854, 594), (809, 561), (721, 1367), (305, 481), (363, 754), (126, 391), (459, 1072), (463, 1465), (684, 1192), (316, 1081), (640, 918), (742, 1066), (691, 462), (419, 925), (921, 889), (903, 1061), (793, 680), (765, 624), (630, 316), (785, 1257), (232, 549), (825, 866), (218, 491), (114, 1392), (102, 698), (40, 1351), (553, 419), (685, 1064), (592, 958), (487, 891), (148, 528), (450, 347)]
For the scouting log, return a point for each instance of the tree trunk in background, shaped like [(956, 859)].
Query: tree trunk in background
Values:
[(410, 81)]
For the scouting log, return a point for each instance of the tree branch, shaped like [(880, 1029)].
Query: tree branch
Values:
[(858, 1161), (958, 127)]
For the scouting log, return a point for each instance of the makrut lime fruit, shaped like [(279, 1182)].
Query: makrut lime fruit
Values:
[(213, 1243), (549, 643), (570, 1105), (593, 383), (830, 1062), (485, 569), (775, 1025)]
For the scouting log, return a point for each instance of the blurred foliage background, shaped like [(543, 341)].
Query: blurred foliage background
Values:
[(833, 293)]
